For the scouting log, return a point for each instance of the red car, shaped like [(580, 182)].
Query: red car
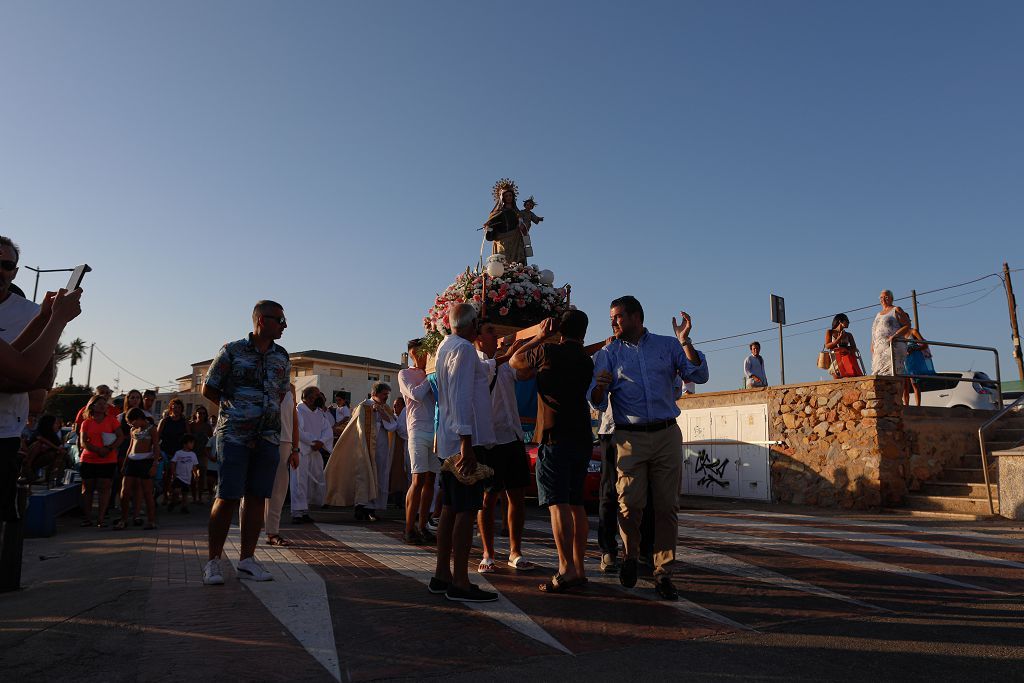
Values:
[(591, 485)]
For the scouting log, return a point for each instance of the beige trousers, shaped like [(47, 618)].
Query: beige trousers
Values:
[(655, 457), (276, 500)]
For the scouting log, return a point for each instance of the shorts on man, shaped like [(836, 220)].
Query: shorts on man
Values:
[(561, 471), (511, 467), (421, 454), (463, 497), (247, 470)]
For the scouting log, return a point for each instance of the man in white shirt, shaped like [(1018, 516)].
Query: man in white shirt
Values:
[(508, 457), (314, 432), (16, 312), (464, 428), (423, 464)]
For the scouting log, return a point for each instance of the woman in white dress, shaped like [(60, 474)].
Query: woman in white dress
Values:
[(892, 321)]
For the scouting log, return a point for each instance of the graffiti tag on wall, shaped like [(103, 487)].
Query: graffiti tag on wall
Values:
[(713, 470)]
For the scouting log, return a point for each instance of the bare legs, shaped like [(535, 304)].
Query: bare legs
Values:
[(516, 515), (251, 519), (417, 501), (454, 538), (569, 526)]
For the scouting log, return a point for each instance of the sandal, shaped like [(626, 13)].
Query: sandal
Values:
[(556, 584), (520, 563), (119, 525), (275, 539), (486, 566)]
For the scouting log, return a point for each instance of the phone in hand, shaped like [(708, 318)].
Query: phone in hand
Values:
[(75, 281)]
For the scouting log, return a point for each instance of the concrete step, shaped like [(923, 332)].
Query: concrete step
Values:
[(956, 504), (974, 461), (956, 488), (1006, 434), (969, 475), (935, 514)]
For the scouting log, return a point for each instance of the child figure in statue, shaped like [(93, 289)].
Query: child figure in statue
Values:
[(527, 219)]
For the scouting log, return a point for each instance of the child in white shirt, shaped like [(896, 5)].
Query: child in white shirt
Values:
[(183, 462)]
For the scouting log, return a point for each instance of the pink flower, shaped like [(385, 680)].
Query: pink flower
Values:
[(536, 294), (521, 303), (503, 311)]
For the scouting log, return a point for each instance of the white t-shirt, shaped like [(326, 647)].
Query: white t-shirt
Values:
[(16, 312), (183, 462)]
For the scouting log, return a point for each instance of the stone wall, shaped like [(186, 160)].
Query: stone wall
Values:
[(842, 441)]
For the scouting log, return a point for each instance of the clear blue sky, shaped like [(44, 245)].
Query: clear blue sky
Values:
[(337, 157)]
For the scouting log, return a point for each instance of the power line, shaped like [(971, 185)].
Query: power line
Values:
[(848, 310), (141, 379)]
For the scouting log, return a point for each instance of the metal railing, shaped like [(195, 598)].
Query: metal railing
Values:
[(995, 352), (984, 449), (999, 396)]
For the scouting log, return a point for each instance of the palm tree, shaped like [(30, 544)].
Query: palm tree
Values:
[(76, 352)]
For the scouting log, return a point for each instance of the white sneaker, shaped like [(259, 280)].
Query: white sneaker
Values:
[(252, 570), (212, 575)]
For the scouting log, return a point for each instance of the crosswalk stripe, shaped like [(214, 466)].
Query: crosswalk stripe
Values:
[(823, 553), (419, 564), (857, 536)]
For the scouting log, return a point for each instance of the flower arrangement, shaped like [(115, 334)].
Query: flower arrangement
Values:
[(521, 297)]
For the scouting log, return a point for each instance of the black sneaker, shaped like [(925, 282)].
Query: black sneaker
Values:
[(306, 519), (412, 538), (426, 535), (627, 573), (474, 594), (664, 588), (437, 586)]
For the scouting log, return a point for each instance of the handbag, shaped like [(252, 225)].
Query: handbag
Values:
[(481, 472), (825, 359)]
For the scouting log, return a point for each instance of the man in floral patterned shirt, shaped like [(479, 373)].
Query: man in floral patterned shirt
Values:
[(248, 378)]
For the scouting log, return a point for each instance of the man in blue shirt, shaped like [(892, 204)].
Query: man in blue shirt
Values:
[(640, 371), (753, 368), (248, 378)]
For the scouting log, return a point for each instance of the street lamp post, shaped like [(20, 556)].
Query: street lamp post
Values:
[(35, 290)]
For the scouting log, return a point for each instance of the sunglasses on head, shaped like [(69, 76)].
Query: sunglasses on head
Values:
[(8, 265)]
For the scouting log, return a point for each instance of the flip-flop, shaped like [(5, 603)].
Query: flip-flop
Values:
[(277, 540), (520, 563), (486, 566)]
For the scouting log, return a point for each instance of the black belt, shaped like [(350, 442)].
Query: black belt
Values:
[(647, 427)]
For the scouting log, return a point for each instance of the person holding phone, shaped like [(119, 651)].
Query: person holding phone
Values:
[(27, 342)]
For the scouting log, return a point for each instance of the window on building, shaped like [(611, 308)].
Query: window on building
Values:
[(386, 378), (300, 372), (337, 372), (372, 377)]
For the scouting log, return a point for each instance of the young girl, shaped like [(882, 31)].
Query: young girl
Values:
[(139, 469)]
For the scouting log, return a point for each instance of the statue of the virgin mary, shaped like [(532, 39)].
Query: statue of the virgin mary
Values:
[(502, 226)]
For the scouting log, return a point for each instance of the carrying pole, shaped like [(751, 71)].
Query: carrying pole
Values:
[(913, 295)]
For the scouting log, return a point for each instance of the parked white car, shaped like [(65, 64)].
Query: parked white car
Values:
[(945, 392)]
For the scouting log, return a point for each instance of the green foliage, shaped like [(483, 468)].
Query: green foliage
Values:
[(65, 401)]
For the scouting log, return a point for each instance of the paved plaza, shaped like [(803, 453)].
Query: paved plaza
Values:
[(766, 594)]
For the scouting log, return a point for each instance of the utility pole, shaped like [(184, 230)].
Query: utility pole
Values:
[(1011, 302), (88, 374), (913, 295)]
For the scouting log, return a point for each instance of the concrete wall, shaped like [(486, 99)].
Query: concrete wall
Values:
[(851, 443)]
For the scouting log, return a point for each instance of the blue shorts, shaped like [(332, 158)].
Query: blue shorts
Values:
[(247, 470), (561, 470)]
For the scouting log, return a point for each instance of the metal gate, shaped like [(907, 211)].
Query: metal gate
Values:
[(725, 452)]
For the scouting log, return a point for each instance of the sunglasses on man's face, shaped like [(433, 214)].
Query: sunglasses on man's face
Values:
[(279, 320), (8, 265)]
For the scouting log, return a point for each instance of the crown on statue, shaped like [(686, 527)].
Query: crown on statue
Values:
[(502, 185)]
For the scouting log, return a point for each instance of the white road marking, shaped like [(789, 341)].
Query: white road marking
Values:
[(418, 564), (297, 597), (823, 553), (549, 556), (857, 536)]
